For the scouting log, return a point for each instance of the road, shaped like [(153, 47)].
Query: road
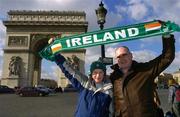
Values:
[(59, 105)]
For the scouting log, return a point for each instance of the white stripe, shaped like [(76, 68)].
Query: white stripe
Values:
[(153, 28)]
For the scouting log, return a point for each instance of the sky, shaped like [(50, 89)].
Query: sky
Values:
[(120, 13)]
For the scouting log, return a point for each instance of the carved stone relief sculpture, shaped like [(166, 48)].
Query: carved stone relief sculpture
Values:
[(15, 66), (18, 41), (74, 61)]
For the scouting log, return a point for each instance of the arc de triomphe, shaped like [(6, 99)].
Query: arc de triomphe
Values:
[(27, 33)]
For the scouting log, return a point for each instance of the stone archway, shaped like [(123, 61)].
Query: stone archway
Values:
[(28, 32), (37, 44)]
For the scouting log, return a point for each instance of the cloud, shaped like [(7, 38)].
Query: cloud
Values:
[(146, 55), (51, 72), (178, 40), (143, 55), (96, 52), (165, 9), (2, 42), (0, 73), (1, 64), (143, 10), (88, 6), (137, 11), (2, 34), (176, 61), (92, 54), (175, 65), (112, 19), (1, 54)]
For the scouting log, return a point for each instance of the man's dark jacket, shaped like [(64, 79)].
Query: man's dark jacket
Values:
[(133, 94)]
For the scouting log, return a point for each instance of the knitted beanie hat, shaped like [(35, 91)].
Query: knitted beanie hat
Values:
[(97, 65)]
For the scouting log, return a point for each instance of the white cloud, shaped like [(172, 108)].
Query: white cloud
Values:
[(178, 40), (0, 73), (112, 19), (50, 73), (88, 6), (137, 11), (1, 53), (143, 55), (110, 51), (165, 9), (92, 54), (177, 59), (151, 41), (2, 34), (175, 65), (2, 42), (156, 9), (146, 55)]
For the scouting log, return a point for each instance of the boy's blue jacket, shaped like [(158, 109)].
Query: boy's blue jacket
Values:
[(92, 102)]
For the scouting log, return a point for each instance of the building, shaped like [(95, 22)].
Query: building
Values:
[(176, 76)]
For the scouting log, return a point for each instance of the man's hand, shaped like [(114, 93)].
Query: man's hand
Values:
[(167, 35)]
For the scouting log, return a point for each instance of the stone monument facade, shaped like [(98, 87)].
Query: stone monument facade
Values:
[(28, 32)]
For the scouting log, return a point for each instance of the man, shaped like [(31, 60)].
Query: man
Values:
[(133, 82)]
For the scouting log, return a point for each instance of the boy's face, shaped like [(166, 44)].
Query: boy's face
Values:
[(98, 75)]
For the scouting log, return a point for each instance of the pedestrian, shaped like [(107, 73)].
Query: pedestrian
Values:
[(159, 110), (133, 82), (95, 91), (174, 98)]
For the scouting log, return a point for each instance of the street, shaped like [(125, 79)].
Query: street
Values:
[(56, 105)]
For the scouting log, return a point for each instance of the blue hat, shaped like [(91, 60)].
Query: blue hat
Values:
[(97, 65)]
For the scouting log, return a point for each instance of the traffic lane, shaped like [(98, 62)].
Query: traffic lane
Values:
[(59, 105)]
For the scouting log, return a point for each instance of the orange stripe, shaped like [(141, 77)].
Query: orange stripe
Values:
[(156, 24), (56, 49)]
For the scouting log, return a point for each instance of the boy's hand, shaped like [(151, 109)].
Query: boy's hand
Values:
[(51, 40)]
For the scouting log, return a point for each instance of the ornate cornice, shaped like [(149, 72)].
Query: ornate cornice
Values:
[(45, 23), (43, 12), (55, 16)]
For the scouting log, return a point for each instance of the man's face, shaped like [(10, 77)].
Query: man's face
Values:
[(98, 75), (123, 57)]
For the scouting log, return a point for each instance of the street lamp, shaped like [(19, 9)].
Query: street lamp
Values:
[(101, 16)]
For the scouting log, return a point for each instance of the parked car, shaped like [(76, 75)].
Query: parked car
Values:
[(45, 89), (6, 89), (58, 90), (69, 88), (31, 91)]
